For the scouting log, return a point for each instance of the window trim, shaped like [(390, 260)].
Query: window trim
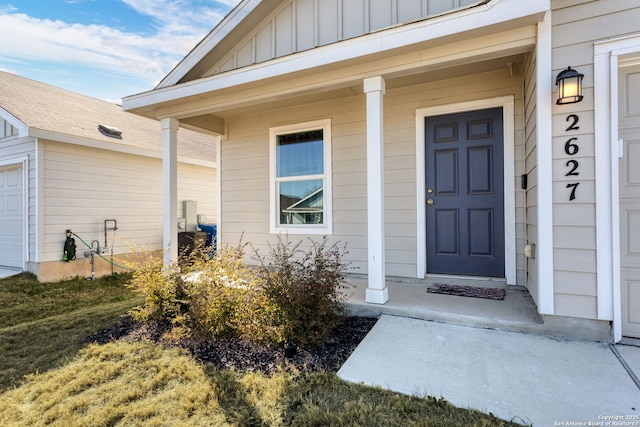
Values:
[(274, 220)]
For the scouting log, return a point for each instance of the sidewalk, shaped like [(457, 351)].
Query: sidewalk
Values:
[(524, 377)]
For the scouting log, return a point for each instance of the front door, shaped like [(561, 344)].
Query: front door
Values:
[(630, 201), (465, 202)]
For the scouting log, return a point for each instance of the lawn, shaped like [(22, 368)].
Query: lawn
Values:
[(50, 375)]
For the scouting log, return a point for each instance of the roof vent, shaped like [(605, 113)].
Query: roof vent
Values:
[(110, 131)]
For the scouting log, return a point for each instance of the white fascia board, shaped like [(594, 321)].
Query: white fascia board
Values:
[(228, 23), (466, 20), (115, 147), (23, 129)]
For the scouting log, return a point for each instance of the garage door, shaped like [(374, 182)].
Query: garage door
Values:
[(11, 217), (629, 114)]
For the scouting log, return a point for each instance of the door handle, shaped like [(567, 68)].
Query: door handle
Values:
[(429, 202)]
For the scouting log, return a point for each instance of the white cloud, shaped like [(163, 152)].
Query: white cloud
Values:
[(180, 25)]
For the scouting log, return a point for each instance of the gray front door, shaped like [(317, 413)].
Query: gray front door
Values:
[(465, 202)]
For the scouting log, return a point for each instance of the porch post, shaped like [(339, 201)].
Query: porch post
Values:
[(377, 291), (544, 164), (169, 190)]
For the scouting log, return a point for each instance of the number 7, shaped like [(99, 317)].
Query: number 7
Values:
[(573, 187)]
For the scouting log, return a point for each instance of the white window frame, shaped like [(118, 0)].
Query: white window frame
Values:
[(275, 226)]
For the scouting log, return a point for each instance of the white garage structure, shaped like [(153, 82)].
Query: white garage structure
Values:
[(60, 171)]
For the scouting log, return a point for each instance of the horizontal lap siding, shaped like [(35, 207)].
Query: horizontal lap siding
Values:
[(244, 163), (245, 176), (400, 163), (529, 152), (81, 187), (577, 24)]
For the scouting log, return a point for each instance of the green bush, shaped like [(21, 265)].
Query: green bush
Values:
[(216, 288), (292, 296), (164, 298), (300, 296)]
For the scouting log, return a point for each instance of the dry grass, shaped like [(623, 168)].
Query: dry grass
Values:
[(24, 299), (141, 384), (49, 376)]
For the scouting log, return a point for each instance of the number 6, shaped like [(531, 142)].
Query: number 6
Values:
[(570, 148)]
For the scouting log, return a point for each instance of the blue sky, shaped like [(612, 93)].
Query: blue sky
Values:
[(107, 49)]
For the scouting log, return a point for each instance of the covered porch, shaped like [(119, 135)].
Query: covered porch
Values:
[(375, 94), (516, 313)]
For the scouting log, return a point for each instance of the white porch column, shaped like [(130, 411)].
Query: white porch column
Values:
[(169, 190), (377, 291), (544, 160)]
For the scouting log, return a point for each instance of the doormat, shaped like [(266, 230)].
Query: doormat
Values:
[(467, 291)]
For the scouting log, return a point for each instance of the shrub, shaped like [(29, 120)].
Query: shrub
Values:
[(199, 294), (299, 296), (215, 288), (164, 298), (292, 296)]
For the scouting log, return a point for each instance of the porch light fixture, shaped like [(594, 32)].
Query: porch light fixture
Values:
[(569, 84)]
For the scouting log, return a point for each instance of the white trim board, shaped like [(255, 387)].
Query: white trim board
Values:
[(23, 161), (274, 226), (493, 13), (507, 105), (607, 55)]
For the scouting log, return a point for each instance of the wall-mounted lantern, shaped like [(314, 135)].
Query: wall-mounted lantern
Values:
[(569, 84)]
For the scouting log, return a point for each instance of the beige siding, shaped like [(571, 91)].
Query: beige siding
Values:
[(577, 25), (530, 169), (245, 166), (81, 187), (299, 25)]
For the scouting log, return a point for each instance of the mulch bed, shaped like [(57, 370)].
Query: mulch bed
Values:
[(242, 355)]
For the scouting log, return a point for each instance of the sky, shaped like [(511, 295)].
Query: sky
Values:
[(106, 49)]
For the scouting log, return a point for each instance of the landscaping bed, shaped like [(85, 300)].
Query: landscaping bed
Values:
[(241, 355)]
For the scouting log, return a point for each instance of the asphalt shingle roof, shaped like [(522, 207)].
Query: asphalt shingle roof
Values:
[(49, 108)]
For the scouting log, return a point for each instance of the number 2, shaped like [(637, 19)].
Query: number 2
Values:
[(574, 166), (575, 119)]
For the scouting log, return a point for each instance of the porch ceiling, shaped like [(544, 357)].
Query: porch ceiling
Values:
[(206, 103), (213, 121)]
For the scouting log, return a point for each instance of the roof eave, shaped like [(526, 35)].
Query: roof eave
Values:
[(370, 44), (115, 147), (219, 32)]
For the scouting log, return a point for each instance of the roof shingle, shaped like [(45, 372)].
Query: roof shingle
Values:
[(49, 108)]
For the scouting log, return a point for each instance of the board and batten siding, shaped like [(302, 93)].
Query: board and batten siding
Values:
[(82, 186), (577, 24), (244, 163), (7, 129), (298, 25)]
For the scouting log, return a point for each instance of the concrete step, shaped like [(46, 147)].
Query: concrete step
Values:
[(516, 313)]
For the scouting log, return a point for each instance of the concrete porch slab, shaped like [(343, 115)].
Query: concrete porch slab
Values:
[(529, 378), (516, 313)]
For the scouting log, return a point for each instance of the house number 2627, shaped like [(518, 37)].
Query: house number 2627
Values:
[(571, 148)]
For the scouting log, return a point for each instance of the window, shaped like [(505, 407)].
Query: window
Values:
[(301, 178)]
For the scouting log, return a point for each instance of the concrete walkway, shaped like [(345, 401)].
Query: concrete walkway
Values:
[(524, 377)]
